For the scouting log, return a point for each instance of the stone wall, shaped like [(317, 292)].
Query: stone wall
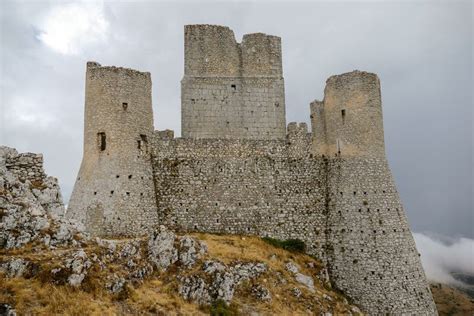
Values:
[(26, 166), (371, 253), (231, 90), (242, 186), (349, 120), (345, 209)]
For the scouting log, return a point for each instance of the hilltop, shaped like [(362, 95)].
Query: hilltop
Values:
[(50, 266)]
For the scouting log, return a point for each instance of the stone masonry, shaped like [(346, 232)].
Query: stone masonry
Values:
[(229, 89), (237, 169), (114, 192)]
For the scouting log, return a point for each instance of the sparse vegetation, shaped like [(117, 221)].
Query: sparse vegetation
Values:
[(220, 308), (38, 184), (293, 245), (42, 293)]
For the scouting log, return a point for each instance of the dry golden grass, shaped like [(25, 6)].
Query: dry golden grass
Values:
[(158, 294), (31, 297), (231, 248), (450, 301), (155, 298)]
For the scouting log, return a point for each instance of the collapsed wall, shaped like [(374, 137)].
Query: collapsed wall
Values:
[(114, 192), (31, 206)]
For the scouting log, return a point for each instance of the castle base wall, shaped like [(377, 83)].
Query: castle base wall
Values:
[(345, 209), (240, 187), (371, 253), (114, 197)]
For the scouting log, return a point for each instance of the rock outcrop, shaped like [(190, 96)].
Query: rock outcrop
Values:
[(31, 206)]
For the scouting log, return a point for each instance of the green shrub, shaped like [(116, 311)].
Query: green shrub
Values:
[(294, 245), (220, 308)]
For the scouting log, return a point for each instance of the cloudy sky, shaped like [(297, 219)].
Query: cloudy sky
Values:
[(422, 52)]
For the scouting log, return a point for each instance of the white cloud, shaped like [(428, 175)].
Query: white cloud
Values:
[(439, 259), (68, 29)]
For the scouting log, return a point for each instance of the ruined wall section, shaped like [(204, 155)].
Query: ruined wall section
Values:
[(249, 187), (231, 90), (114, 191), (26, 166)]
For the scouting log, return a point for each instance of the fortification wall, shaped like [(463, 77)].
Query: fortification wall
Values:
[(114, 192), (242, 187), (371, 253), (231, 90)]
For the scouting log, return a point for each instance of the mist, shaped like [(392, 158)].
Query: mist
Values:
[(441, 257)]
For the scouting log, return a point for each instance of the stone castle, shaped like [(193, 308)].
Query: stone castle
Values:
[(238, 168)]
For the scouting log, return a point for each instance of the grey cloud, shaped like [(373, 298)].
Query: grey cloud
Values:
[(421, 51)]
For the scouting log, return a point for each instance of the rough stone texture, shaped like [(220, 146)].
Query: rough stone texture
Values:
[(114, 191), (31, 208), (14, 268), (266, 188), (222, 281), (237, 171), (230, 89)]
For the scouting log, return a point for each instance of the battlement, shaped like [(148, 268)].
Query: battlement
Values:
[(297, 128), (166, 134)]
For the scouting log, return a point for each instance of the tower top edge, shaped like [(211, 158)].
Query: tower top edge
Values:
[(95, 66)]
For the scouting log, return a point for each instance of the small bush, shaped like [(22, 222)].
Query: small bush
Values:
[(220, 308), (294, 245)]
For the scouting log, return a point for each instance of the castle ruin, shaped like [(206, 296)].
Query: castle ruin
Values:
[(238, 170)]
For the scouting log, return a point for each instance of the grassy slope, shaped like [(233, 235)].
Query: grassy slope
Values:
[(451, 301), (158, 293)]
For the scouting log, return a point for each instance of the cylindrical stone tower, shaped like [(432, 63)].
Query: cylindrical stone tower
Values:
[(114, 191), (370, 252), (349, 120)]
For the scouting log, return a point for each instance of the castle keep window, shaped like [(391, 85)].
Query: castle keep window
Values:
[(143, 144), (124, 105), (101, 141), (343, 114)]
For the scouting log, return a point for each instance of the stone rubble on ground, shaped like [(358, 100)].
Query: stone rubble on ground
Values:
[(304, 279), (224, 281)]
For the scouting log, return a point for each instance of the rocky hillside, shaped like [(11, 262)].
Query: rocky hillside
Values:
[(451, 301), (49, 266)]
